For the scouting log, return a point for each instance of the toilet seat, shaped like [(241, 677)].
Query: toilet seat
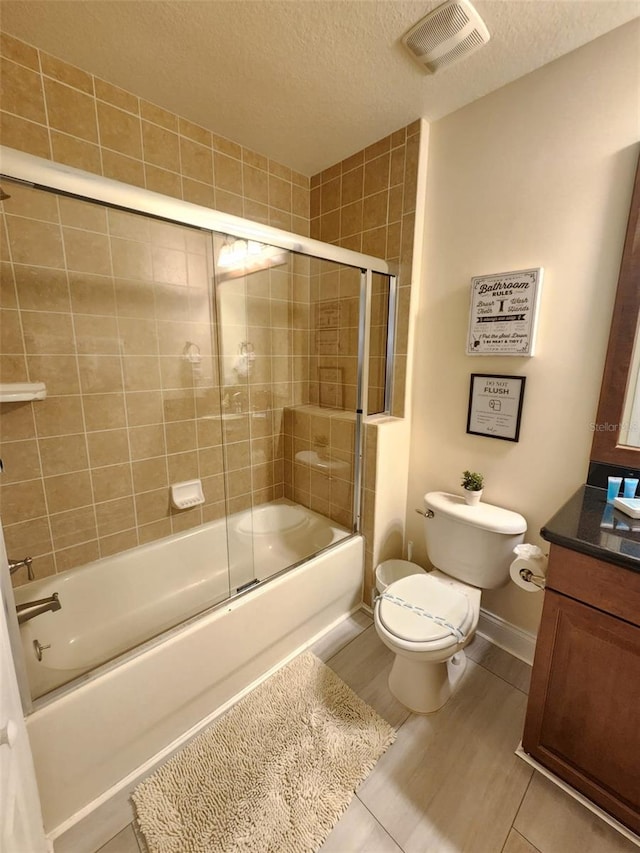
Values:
[(423, 612)]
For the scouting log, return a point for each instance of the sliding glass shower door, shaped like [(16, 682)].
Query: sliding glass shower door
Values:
[(288, 355), (203, 391)]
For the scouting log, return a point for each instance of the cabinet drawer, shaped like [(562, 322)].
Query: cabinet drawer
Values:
[(610, 588)]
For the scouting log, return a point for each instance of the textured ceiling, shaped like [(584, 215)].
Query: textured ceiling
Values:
[(305, 82)]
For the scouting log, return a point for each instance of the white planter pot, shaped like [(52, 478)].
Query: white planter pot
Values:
[(472, 498)]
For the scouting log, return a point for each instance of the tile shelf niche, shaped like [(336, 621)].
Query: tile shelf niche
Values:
[(18, 392)]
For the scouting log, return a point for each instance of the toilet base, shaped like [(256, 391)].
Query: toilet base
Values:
[(424, 687)]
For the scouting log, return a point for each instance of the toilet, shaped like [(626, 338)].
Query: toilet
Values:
[(427, 618)]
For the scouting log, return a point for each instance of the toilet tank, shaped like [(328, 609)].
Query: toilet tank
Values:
[(471, 543)]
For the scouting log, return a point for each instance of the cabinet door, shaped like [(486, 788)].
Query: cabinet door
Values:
[(583, 719)]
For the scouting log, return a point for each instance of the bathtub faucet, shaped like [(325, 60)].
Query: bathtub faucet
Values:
[(30, 609), (14, 565)]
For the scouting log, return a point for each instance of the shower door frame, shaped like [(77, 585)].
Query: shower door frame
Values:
[(65, 180)]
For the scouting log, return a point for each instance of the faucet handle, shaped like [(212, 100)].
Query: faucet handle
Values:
[(14, 565)]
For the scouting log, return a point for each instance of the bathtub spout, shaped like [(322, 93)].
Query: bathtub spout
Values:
[(29, 609)]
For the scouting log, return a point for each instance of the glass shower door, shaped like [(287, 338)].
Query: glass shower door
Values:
[(111, 310), (288, 336), (252, 284)]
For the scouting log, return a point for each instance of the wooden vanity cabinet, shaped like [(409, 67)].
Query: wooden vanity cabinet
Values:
[(583, 715)]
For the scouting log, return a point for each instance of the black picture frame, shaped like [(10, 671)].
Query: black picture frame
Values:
[(495, 405)]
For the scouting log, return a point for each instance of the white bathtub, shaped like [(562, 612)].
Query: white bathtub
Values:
[(89, 742), (116, 603)]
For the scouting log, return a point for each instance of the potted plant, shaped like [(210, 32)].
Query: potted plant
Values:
[(472, 482)]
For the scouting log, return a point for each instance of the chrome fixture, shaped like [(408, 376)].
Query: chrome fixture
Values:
[(14, 565), (528, 577), (428, 513), (39, 648), (30, 609)]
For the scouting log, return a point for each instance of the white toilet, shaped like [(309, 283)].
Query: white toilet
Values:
[(427, 619)]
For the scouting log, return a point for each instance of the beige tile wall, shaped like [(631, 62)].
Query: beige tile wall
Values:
[(100, 305), (113, 311), (366, 203), (319, 459), (61, 113), (333, 339)]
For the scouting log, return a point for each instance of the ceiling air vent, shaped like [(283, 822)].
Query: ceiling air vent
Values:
[(449, 33)]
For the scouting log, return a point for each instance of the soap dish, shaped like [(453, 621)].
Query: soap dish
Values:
[(187, 494)]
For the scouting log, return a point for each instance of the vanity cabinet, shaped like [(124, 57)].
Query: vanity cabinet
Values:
[(583, 715)]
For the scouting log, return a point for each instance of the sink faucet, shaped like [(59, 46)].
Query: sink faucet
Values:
[(30, 609), (14, 565)]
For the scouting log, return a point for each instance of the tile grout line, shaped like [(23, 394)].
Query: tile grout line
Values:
[(493, 672), (398, 726), (348, 643), (497, 675), (515, 817), (382, 826)]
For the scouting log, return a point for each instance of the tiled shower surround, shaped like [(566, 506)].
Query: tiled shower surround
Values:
[(57, 111), (87, 470)]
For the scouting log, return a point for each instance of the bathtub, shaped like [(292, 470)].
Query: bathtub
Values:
[(91, 741), (116, 603)]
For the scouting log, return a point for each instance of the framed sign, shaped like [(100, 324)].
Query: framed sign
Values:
[(504, 313), (495, 405)]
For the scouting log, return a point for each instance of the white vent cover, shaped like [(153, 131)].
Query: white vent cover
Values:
[(449, 33)]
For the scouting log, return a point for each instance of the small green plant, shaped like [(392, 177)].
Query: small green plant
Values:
[(472, 481)]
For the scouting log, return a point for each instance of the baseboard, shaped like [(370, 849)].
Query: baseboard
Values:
[(519, 643), (586, 802)]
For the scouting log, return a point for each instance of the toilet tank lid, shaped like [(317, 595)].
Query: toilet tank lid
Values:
[(492, 518)]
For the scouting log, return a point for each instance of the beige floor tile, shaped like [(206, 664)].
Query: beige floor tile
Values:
[(365, 665), (554, 822), (103, 825), (499, 662), (517, 844), (342, 635), (451, 782), (124, 842), (359, 832)]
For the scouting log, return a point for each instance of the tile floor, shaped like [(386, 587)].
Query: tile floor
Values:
[(450, 782)]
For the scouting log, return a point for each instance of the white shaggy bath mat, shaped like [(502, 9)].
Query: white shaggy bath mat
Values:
[(273, 775)]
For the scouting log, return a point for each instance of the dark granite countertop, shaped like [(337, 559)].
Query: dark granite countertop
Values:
[(587, 523)]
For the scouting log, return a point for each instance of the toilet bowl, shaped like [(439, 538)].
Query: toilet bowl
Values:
[(426, 619)]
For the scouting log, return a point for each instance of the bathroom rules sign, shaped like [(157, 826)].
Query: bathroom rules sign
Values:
[(504, 312)]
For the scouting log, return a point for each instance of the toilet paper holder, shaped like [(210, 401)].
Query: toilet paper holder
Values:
[(529, 567), (529, 577)]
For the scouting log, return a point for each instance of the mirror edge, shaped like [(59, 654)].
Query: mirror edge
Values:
[(605, 446)]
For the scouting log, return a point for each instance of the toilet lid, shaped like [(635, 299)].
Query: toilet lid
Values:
[(422, 609)]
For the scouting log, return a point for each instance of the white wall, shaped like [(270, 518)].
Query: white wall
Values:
[(538, 173)]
